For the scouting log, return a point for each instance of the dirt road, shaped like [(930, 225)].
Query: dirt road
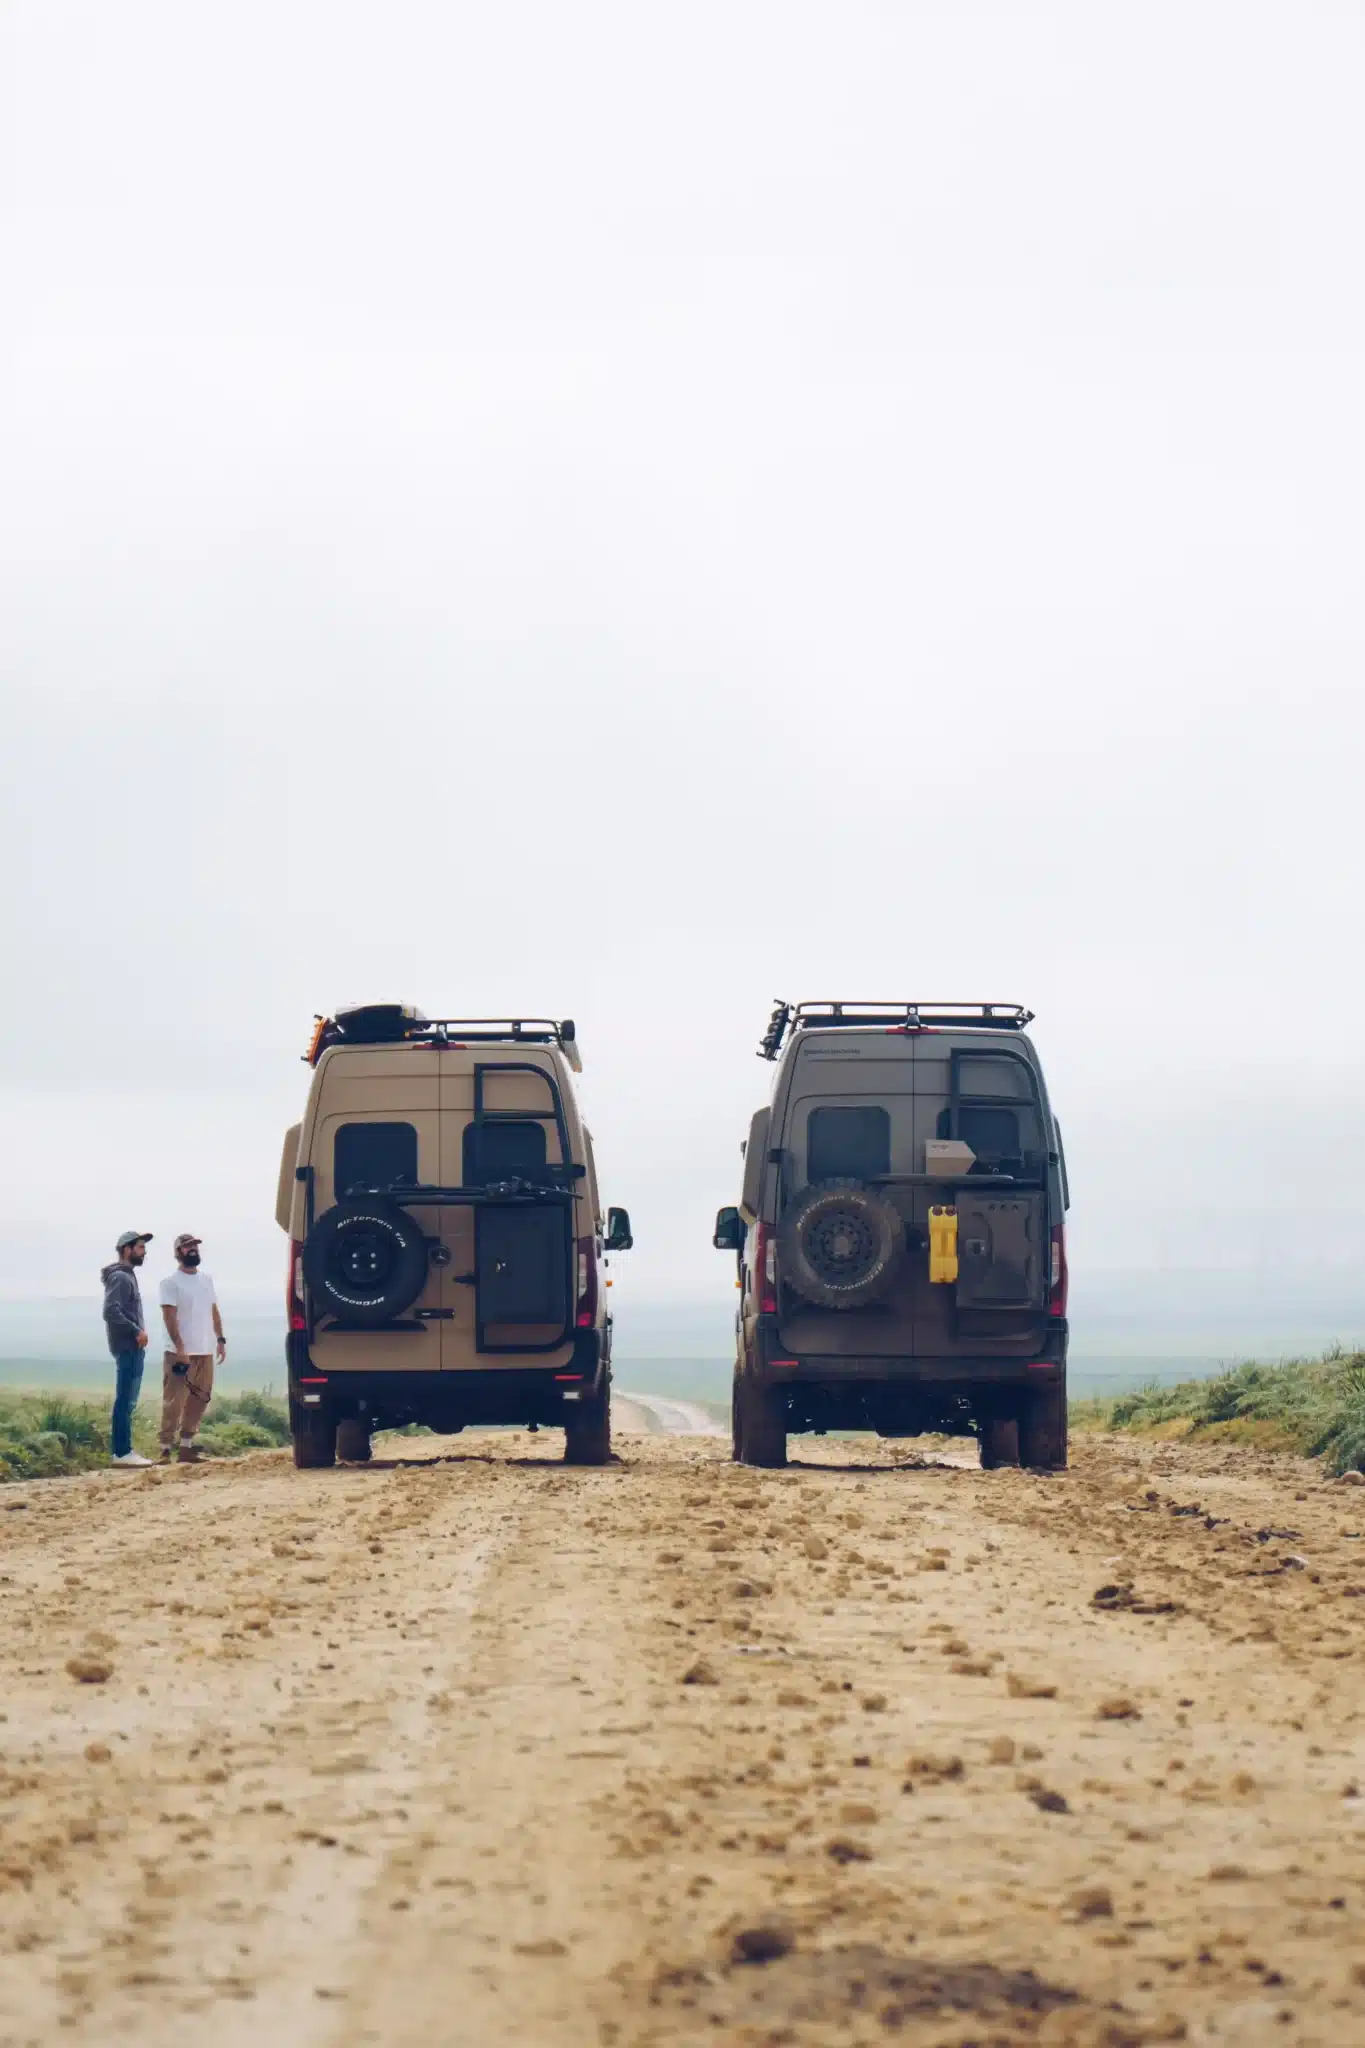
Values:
[(475, 1749)]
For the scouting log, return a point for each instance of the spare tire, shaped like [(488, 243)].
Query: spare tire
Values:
[(841, 1244), (365, 1262)]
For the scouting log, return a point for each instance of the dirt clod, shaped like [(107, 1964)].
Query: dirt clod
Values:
[(90, 1670), (1020, 1687), (1092, 1902), (844, 1849), (763, 1943)]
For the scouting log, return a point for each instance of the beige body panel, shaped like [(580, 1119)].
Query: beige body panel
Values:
[(433, 1090), (284, 1191)]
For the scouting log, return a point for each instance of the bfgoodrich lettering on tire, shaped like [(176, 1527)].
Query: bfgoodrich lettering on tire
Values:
[(365, 1262), (841, 1244)]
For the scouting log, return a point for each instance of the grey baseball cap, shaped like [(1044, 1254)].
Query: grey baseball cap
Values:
[(132, 1237)]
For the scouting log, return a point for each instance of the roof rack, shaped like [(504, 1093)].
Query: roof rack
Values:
[(789, 1018), (394, 1024)]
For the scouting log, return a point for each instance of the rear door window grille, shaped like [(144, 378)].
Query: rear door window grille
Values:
[(373, 1156), (848, 1143), (503, 1151)]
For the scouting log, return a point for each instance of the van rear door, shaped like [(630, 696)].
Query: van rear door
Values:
[(395, 1136), (851, 1117), (510, 1273), (986, 1094)]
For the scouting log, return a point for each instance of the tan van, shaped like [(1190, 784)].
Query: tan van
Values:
[(446, 1235)]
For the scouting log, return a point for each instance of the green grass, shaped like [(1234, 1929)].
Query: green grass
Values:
[(45, 1436), (1312, 1405)]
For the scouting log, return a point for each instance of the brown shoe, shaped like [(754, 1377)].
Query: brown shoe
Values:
[(189, 1454), (167, 1454)]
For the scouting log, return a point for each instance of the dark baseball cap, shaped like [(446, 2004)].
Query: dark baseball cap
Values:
[(187, 1240), (132, 1237)]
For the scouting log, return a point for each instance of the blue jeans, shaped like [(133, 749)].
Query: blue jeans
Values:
[(129, 1364)]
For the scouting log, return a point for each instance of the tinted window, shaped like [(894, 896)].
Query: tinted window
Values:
[(501, 1151), (992, 1133), (373, 1156), (848, 1144)]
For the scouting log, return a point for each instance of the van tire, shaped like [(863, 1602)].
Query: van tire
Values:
[(353, 1441), (999, 1441), (1043, 1427), (761, 1423), (315, 1437), (809, 1236), (378, 1231), (587, 1430)]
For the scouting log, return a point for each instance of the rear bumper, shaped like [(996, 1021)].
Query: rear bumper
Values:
[(1046, 1362), (449, 1400)]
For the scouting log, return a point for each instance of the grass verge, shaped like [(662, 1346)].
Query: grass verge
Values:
[(45, 1436), (1312, 1405)]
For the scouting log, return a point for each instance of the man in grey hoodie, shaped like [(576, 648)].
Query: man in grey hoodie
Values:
[(127, 1333)]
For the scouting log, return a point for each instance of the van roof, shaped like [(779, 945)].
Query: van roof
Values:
[(789, 1018)]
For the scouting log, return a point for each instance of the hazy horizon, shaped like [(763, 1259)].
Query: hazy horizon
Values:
[(625, 513)]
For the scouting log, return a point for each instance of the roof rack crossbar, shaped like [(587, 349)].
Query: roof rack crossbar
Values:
[(788, 1018), (440, 1031)]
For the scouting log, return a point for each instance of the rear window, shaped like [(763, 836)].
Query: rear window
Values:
[(373, 1156), (993, 1109), (502, 1151), (992, 1133), (848, 1143)]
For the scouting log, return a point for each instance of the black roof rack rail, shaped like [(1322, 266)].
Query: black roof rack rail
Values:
[(789, 1018), (390, 1024)]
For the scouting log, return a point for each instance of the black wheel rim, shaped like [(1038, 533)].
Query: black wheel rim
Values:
[(363, 1261), (841, 1246)]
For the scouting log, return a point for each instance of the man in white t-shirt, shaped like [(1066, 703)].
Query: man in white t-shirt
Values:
[(189, 1309)]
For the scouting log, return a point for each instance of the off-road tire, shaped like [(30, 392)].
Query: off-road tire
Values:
[(736, 1422), (999, 1440), (353, 1441), (587, 1430), (388, 1262), (315, 1437), (1043, 1427), (841, 1223), (761, 1426)]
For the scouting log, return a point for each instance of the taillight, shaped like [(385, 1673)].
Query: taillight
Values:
[(293, 1290), (1057, 1277), (586, 1314), (765, 1270)]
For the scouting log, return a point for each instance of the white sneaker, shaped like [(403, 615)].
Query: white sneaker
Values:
[(131, 1458)]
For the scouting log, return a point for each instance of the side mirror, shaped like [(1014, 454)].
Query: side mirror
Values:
[(729, 1235), (618, 1237)]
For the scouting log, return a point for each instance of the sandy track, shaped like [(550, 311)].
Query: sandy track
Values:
[(409, 1754)]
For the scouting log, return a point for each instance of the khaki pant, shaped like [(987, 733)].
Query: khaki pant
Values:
[(184, 1397)]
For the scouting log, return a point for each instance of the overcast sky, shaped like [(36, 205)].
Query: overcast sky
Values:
[(626, 511)]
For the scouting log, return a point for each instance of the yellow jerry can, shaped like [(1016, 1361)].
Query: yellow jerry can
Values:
[(942, 1246)]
